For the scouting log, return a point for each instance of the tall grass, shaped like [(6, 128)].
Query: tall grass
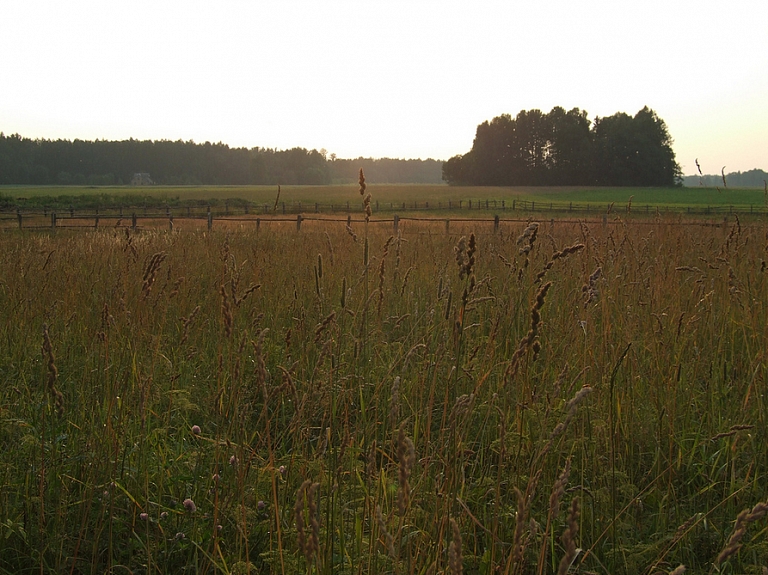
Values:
[(257, 402)]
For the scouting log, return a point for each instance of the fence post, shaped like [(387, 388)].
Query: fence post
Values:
[(397, 223), (513, 204), (298, 222), (133, 220), (447, 226), (349, 220), (18, 217), (486, 204), (503, 204), (96, 222), (496, 223), (210, 220), (170, 222), (258, 224), (53, 219), (317, 208), (470, 204)]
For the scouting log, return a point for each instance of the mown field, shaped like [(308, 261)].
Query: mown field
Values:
[(387, 195), (555, 397)]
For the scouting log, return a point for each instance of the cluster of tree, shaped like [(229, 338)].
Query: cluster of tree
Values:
[(565, 148), (102, 162), (388, 171), (750, 179)]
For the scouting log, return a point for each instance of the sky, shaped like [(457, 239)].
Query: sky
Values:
[(383, 78)]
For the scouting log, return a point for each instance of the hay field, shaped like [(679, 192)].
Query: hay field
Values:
[(552, 396)]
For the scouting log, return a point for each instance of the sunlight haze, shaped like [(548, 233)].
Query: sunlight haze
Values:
[(383, 79)]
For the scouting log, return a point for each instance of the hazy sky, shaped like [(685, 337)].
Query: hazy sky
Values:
[(378, 78)]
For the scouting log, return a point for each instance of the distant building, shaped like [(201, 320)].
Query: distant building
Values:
[(141, 179)]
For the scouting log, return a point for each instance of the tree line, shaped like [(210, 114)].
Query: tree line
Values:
[(566, 148), (104, 162), (749, 179)]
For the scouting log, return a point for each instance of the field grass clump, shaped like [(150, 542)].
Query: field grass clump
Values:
[(549, 398)]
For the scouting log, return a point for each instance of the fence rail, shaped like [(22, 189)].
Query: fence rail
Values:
[(52, 220), (285, 208)]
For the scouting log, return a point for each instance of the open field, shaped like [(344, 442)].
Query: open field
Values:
[(333, 401), (389, 196)]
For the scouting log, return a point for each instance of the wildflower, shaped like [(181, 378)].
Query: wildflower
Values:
[(282, 470), (189, 505), (164, 515), (196, 430), (180, 536), (233, 461), (261, 506), (143, 516)]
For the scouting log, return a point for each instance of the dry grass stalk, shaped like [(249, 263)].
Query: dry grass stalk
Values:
[(260, 366), (323, 326), (569, 539), (743, 520), (277, 198), (330, 247), (571, 408), (150, 273), (558, 490), (366, 197), (371, 467), (53, 372), (186, 323), (455, 559), (405, 280), (590, 289), (518, 547), (406, 456), (465, 255), (389, 541), (564, 253), (381, 273), (394, 403), (309, 545), (238, 300), (733, 431), (226, 312), (529, 339)]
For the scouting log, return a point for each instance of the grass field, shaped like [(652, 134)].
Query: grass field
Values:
[(389, 194), (551, 398)]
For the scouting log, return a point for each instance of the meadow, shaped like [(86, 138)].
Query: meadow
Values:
[(552, 397), (390, 196)]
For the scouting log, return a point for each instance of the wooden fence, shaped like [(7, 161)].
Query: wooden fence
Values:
[(146, 219)]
